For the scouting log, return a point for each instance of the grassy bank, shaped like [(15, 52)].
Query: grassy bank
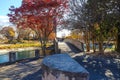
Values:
[(22, 45)]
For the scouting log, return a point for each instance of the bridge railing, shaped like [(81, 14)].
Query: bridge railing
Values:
[(76, 43)]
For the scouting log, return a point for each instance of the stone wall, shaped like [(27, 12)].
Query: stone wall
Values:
[(62, 67)]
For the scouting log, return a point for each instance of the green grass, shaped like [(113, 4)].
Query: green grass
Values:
[(22, 45), (110, 49)]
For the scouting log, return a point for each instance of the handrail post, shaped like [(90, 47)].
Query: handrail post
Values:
[(37, 53), (12, 56)]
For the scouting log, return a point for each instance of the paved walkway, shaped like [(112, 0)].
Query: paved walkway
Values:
[(27, 70), (65, 48), (70, 49)]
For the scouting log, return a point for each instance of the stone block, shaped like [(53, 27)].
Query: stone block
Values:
[(62, 67)]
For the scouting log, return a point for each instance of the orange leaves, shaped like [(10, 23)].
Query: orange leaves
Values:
[(52, 36), (8, 32)]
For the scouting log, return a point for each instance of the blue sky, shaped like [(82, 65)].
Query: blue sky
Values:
[(4, 9)]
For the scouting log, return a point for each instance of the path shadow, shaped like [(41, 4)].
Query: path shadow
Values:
[(100, 68), (34, 76), (24, 70), (73, 48)]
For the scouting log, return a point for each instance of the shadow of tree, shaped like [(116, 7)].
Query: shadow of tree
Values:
[(100, 68), (34, 76), (73, 48), (24, 70)]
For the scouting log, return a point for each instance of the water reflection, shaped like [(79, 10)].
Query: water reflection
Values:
[(4, 58), (19, 55), (24, 54), (109, 46)]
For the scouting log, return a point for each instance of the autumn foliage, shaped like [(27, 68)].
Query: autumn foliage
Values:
[(9, 33), (42, 16)]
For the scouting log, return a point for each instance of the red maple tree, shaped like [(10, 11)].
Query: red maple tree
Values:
[(42, 16)]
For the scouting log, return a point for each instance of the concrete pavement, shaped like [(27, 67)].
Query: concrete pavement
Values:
[(25, 70), (70, 49)]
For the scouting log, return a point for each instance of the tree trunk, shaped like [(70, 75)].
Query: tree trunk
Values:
[(118, 42), (87, 42), (87, 46), (43, 47), (118, 38), (100, 43), (56, 45), (101, 47), (94, 47), (44, 50)]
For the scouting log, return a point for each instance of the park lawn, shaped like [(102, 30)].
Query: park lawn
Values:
[(24, 44), (111, 49)]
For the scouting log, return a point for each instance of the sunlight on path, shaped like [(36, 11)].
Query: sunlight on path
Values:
[(65, 48), (19, 71)]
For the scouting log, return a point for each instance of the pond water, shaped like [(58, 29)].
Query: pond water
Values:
[(109, 46), (19, 55), (4, 58)]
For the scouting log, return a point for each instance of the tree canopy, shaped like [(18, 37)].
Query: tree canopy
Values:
[(97, 19), (42, 16)]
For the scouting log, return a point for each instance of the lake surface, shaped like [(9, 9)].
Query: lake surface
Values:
[(19, 55), (109, 46)]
